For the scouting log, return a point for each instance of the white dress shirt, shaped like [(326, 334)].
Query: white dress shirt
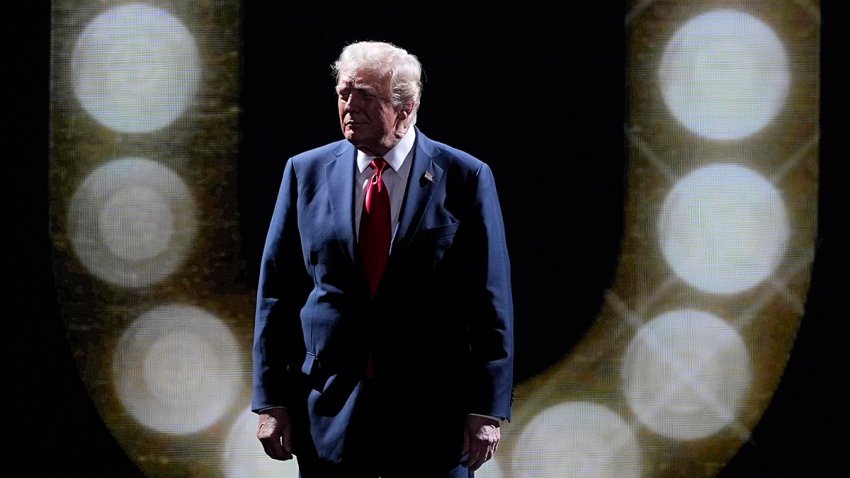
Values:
[(395, 177)]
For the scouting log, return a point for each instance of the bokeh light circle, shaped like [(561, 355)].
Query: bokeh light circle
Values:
[(132, 222), (686, 373), (577, 439), (136, 224), (723, 228), (177, 369), (244, 456), (136, 68), (724, 75)]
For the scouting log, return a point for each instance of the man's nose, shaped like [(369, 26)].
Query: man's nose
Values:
[(353, 101)]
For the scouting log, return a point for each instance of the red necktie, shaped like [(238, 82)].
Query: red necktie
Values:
[(375, 226), (375, 233)]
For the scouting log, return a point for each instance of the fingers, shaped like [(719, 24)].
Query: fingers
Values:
[(275, 436), (481, 442), (286, 441), (480, 451)]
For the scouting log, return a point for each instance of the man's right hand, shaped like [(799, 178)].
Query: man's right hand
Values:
[(275, 433)]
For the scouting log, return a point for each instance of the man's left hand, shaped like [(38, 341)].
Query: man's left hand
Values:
[(480, 439)]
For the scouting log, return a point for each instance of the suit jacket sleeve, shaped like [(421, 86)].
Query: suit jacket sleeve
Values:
[(490, 389), (282, 289)]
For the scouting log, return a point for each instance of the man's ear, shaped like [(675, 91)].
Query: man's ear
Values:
[(406, 110)]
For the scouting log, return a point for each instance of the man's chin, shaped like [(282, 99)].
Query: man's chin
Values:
[(349, 134), (353, 137)]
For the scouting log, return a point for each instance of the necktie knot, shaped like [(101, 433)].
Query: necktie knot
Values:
[(378, 165)]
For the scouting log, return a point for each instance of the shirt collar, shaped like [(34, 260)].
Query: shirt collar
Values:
[(394, 157)]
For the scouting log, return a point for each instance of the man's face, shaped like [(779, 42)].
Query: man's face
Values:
[(366, 114)]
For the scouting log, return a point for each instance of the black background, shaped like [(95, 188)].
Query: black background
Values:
[(531, 84)]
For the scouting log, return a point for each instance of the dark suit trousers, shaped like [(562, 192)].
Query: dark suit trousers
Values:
[(370, 456)]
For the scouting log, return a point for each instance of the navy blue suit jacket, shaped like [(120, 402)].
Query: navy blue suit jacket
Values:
[(440, 327)]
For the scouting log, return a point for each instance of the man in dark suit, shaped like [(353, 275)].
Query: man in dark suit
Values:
[(383, 341)]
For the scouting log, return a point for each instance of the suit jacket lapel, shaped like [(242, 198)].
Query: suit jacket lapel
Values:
[(424, 177), (340, 174)]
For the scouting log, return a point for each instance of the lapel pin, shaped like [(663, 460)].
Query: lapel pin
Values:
[(429, 176)]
